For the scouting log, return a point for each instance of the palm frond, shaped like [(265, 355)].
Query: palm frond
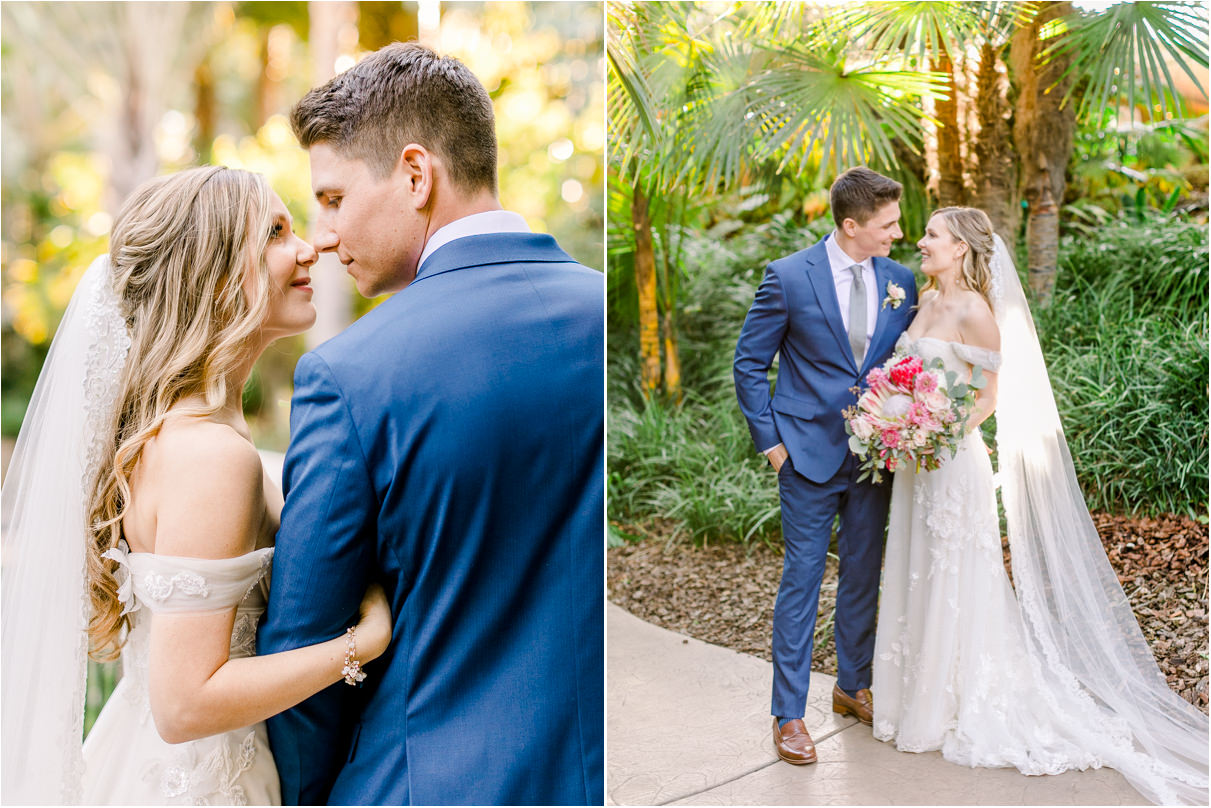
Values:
[(919, 30), (1124, 53), (804, 103)]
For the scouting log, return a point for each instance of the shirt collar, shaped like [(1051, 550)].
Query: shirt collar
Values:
[(477, 224), (838, 261)]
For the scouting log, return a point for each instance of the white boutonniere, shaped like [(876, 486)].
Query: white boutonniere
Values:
[(895, 296)]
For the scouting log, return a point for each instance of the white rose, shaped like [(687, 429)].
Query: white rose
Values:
[(862, 429), (937, 401)]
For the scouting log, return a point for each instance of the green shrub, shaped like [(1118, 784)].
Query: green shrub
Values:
[(694, 466), (1125, 338), (1157, 266)]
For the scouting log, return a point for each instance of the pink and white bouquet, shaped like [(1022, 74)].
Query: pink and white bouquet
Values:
[(910, 415)]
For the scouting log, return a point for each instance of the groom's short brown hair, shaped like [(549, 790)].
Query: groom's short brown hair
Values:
[(859, 192), (405, 93)]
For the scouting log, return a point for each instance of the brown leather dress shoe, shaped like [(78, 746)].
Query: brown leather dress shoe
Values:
[(793, 743), (861, 708)]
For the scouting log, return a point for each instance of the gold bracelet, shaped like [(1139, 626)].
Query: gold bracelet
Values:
[(352, 671)]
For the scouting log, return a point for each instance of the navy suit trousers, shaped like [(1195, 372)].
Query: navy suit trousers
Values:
[(808, 512)]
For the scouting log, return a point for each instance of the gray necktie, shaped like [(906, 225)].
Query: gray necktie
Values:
[(857, 315)]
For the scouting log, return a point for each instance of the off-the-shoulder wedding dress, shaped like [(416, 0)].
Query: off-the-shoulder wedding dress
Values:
[(125, 760), (988, 676)]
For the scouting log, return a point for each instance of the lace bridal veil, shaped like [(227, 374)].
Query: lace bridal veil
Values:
[(1079, 623), (43, 601)]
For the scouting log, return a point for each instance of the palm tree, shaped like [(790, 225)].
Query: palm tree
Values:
[(1089, 54), (942, 34), (700, 103), (1043, 129), (1061, 64)]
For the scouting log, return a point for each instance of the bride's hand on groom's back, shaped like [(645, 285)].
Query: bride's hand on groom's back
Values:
[(373, 624)]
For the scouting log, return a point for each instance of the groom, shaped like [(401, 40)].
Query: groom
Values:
[(832, 312), (449, 446)]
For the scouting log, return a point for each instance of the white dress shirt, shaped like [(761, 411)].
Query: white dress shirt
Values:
[(843, 280), (477, 224)]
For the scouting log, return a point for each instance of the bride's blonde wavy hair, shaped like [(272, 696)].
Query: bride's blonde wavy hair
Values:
[(972, 227), (180, 251)]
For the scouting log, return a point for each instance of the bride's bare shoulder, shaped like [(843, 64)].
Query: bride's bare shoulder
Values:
[(977, 323), (201, 446), (207, 484)]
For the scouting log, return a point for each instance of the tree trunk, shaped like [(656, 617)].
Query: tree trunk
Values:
[(264, 84), (672, 359), (911, 162), (333, 288), (380, 24), (950, 164), (996, 173), (667, 283), (645, 282), (204, 106), (1043, 133), (143, 37)]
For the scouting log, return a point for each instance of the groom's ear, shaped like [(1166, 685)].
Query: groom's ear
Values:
[(415, 169)]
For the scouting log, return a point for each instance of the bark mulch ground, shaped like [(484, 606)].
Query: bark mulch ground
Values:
[(724, 593)]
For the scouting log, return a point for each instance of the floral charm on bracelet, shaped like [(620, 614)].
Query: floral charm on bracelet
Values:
[(353, 673), (895, 296)]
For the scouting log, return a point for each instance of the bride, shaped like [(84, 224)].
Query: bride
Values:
[(138, 518), (1058, 676)]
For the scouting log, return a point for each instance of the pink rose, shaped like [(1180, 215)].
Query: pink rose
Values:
[(891, 438)]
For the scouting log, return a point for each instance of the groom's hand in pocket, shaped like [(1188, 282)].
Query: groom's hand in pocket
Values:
[(777, 456)]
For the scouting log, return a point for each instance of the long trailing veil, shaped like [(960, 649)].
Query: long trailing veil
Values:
[(43, 601), (1078, 621)]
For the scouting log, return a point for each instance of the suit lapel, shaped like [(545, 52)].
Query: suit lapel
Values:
[(820, 274)]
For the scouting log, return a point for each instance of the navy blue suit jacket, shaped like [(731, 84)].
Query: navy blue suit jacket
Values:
[(449, 444), (796, 315)]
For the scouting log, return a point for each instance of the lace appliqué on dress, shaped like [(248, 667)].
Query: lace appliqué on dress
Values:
[(243, 635), (264, 570), (195, 775), (160, 587)]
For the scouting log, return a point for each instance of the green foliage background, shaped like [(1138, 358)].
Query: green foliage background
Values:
[(542, 64), (711, 106), (1125, 340)]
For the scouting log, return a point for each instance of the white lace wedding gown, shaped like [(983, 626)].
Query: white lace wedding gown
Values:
[(951, 670), (126, 762)]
